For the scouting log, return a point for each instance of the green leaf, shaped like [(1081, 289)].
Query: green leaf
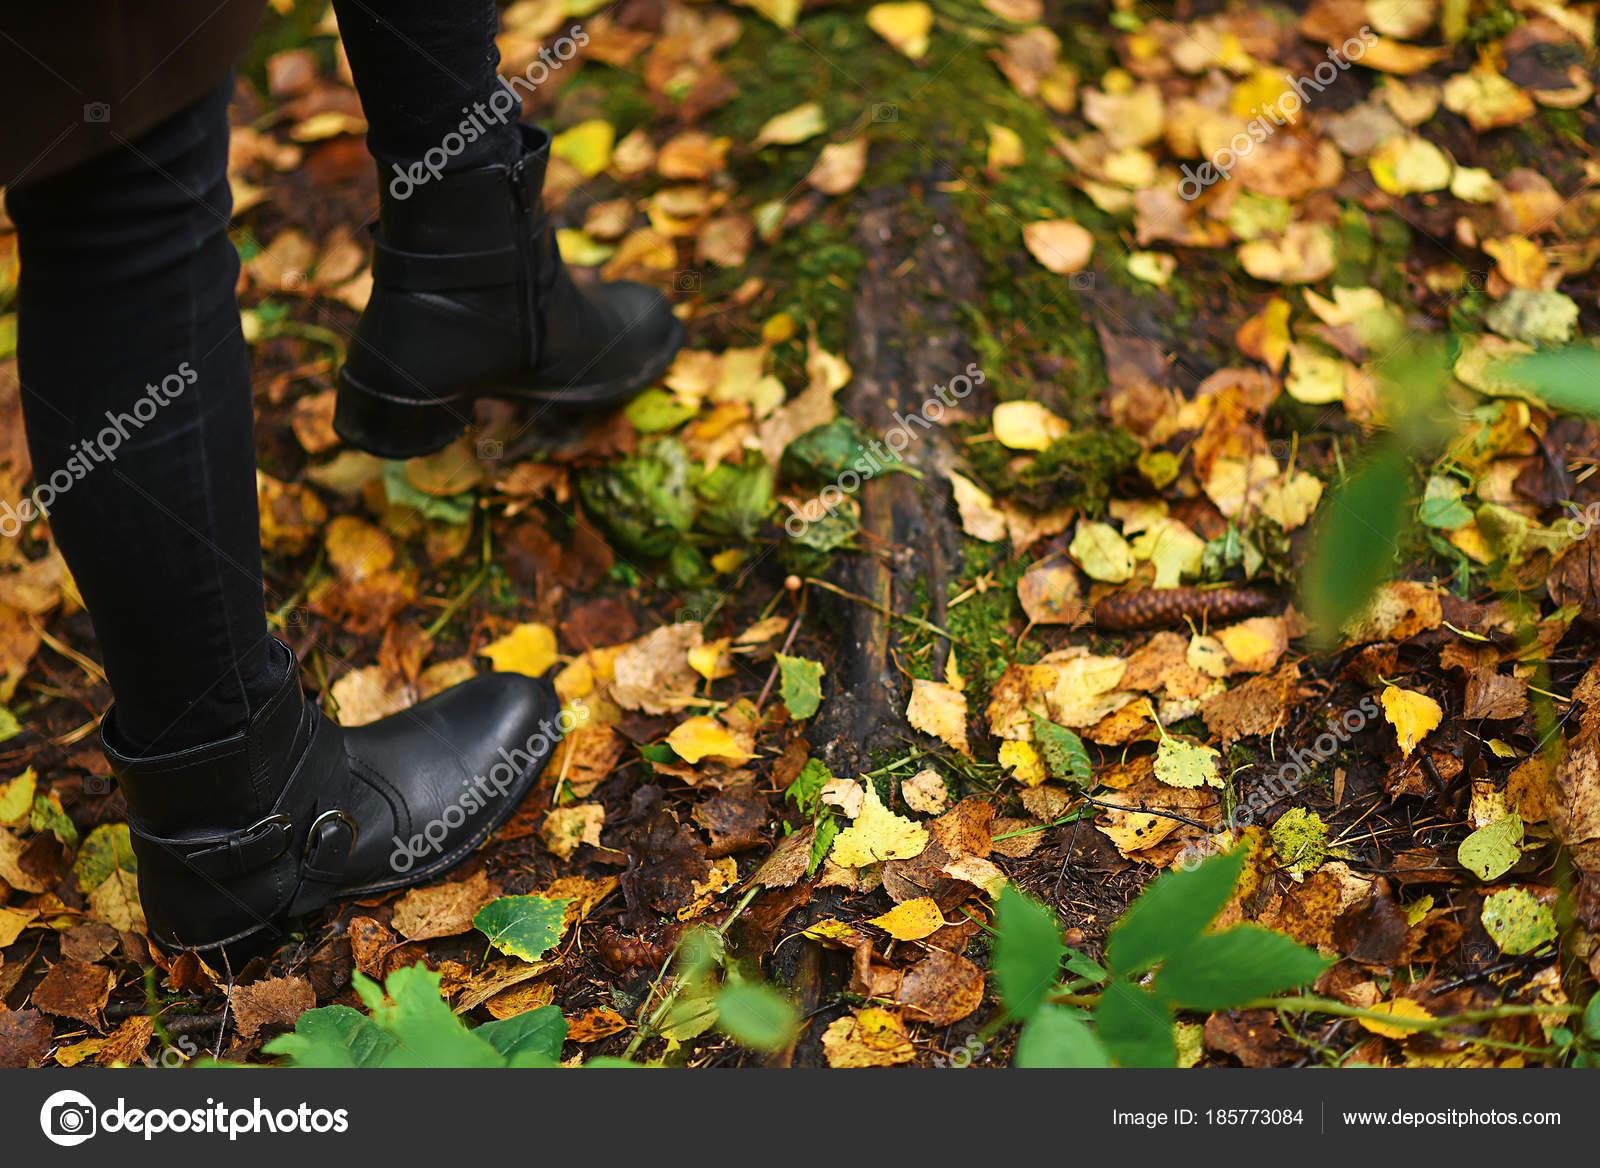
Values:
[(806, 790), (800, 684), (738, 498), (657, 410), (1441, 503), (1136, 1026), (1517, 922), (756, 1016), (1568, 379), (537, 1033), (825, 452), (1356, 536), (1187, 764), (523, 926), (1063, 752), (49, 815), (1027, 953), (1054, 1037), (1171, 912), (645, 501), (410, 1026), (334, 1036), (827, 828), (1223, 970), (1493, 850), (108, 849), (456, 510), (410, 1010)]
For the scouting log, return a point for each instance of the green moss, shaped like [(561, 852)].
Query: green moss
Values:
[(1078, 469)]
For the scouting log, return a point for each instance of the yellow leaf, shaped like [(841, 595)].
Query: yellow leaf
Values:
[(1315, 378), (1005, 147), (1026, 425), (912, 920), (1520, 260), (1399, 1008), (1153, 267), (587, 146), (703, 737), (1413, 715), (796, 125), (1059, 244), (1407, 164), (1265, 336), (941, 710), (980, 518), (710, 660), (16, 799), (1305, 253), (582, 250), (1024, 762), (874, 1037), (839, 167), (529, 649), (877, 834), (904, 25)]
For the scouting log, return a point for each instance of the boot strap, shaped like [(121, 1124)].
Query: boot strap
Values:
[(237, 853), (415, 272)]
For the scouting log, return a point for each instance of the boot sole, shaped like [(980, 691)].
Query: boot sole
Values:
[(395, 427)]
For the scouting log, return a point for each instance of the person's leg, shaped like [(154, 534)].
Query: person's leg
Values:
[(426, 73), (470, 297), (136, 395)]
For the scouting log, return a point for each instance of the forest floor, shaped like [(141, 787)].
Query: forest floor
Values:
[(1147, 378)]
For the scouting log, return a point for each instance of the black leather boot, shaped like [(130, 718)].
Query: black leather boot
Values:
[(237, 837), (470, 299)]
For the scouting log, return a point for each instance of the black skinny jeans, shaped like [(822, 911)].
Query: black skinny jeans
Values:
[(136, 383)]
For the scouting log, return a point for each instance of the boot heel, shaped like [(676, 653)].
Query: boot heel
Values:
[(394, 427)]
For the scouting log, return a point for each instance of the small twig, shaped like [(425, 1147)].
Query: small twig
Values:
[(788, 643), (886, 611)]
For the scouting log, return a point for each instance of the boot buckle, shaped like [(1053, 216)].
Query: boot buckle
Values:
[(329, 843)]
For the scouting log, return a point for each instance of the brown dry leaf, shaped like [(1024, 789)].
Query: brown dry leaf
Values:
[(653, 674), (940, 989), (1398, 611), (1050, 593), (125, 1046), (441, 910), (364, 695), (276, 1001), (26, 1037), (872, 1037), (566, 828), (73, 989), (926, 792), (786, 866)]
